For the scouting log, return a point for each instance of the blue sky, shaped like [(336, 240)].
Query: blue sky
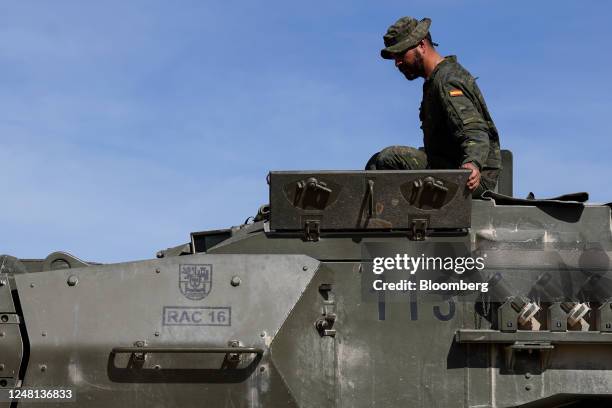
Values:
[(126, 125)]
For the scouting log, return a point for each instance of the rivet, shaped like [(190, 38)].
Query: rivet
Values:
[(157, 367), (44, 334), (509, 324), (528, 387), (235, 281), (157, 270), (4, 318), (72, 280), (156, 334), (31, 285), (2, 282), (43, 367), (262, 334), (304, 268), (262, 369), (2, 334), (528, 375), (1, 367)]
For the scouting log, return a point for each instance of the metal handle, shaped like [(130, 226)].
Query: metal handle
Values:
[(229, 372), (371, 198), (195, 350)]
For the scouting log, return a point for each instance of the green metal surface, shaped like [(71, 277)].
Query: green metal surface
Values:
[(255, 316)]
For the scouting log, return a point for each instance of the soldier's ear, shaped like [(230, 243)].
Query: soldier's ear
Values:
[(422, 45), (420, 48)]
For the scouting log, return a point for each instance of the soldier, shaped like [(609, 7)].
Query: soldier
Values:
[(458, 131)]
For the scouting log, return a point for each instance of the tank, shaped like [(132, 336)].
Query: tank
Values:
[(350, 289)]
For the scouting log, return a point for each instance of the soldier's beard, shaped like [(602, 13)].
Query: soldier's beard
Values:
[(415, 70)]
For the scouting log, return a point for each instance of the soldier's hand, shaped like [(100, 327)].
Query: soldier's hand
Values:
[(474, 178)]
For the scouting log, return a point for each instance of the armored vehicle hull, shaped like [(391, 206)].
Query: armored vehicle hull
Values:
[(284, 312)]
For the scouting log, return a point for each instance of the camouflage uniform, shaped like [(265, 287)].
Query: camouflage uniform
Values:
[(457, 126), (398, 158)]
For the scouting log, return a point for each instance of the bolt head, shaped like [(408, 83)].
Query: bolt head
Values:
[(72, 280)]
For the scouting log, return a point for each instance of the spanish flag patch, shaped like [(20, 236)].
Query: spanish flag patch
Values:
[(455, 92)]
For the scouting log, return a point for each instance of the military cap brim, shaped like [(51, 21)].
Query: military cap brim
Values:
[(409, 41)]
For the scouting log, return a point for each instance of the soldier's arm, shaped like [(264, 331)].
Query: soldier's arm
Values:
[(466, 122)]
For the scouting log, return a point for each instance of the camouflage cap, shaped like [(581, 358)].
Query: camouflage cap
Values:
[(403, 35)]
